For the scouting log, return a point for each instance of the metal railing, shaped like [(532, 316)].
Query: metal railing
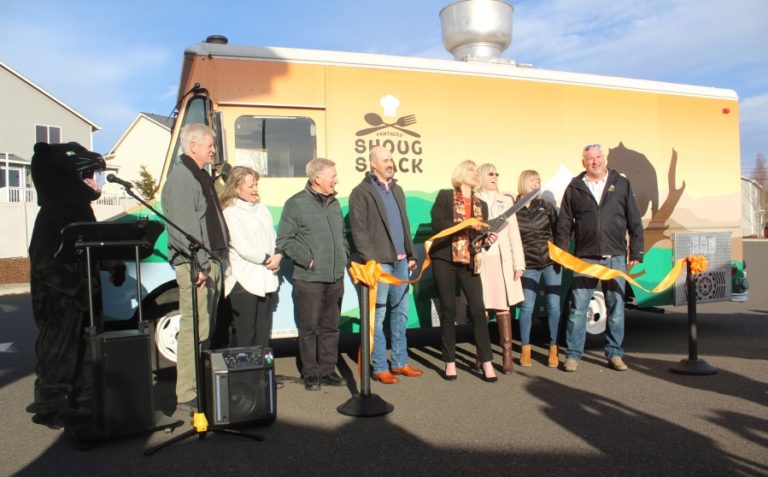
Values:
[(29, 194)]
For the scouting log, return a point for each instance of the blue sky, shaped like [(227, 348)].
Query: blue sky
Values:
[(112, 60)]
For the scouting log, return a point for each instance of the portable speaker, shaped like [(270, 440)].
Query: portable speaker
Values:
[(239, 386), (123, 379)]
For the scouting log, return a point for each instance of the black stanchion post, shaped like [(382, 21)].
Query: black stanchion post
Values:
[(365, 404), (693, 365)]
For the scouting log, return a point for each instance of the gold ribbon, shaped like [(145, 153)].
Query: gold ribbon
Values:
[(371, 274), (558, 255)]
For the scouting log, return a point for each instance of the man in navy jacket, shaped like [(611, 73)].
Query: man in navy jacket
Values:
[(599, 209)]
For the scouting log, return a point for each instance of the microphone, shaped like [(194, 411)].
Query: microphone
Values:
[(116, 180)]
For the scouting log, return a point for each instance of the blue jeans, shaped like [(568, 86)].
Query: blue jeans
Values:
[(582, 289), (397, 298), (531, 279)]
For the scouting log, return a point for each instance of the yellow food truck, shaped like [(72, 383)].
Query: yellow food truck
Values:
[(274, 109)]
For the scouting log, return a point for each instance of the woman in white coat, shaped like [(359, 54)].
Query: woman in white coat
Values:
[(503, 263), (253, 280)]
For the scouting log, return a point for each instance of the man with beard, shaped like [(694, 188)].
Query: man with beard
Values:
[(381, 232)]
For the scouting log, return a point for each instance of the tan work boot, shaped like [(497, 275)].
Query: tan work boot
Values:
[(504, 321), (617, 363), (525, 356), (571, 365), (552, 360)]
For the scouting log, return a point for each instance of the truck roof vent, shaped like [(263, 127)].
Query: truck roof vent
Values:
[(477, 29), (218, 39)]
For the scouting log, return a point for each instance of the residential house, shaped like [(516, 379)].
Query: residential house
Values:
[(144, 143), (753, 216), (30, 114)]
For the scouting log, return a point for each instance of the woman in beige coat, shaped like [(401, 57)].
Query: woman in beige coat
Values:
[(503, 263)]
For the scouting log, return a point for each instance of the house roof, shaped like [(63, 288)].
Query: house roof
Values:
[(161, 121), (12, 158), (94, 126)]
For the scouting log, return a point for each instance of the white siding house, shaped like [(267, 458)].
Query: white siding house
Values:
[(144, 143), (30, 114), (752, 214)]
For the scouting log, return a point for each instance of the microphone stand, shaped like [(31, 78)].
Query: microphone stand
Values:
[(200, 423)]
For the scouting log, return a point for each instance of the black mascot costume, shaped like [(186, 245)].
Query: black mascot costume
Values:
[(63, 175)]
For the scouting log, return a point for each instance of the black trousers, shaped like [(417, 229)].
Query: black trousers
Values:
[(318, 309), (445, 275), (252, 315)]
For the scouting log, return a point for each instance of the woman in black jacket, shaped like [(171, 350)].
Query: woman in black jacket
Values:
[(455, 258), (537, 224)]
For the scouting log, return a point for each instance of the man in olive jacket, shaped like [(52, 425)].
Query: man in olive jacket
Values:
[(311, 234), (381, 232), (189, 200), (599, 208)]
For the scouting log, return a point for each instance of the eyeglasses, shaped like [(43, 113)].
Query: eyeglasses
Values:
[(493, 174), (591, 146)]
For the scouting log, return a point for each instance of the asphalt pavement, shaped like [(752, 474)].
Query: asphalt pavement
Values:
[(538, 421)]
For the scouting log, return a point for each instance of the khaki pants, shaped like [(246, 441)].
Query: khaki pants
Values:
[(207, 300)]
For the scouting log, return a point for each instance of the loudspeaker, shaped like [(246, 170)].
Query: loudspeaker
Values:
[(124, 399), (240, 386)]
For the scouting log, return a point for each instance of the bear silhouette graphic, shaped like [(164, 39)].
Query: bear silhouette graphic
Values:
[(640, 172)]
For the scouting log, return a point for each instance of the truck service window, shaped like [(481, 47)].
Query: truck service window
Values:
[(275, 146)]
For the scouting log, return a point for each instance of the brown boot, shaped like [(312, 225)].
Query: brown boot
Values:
[(504, 320), (552, 359), (525, 356)]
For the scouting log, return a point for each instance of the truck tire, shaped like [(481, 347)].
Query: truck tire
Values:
[(165, 334), (597, 315)]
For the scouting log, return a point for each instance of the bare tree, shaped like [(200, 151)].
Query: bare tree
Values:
[(760, 175)]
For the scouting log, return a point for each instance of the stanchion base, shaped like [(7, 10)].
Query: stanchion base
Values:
[(369, 405), (697, 367)]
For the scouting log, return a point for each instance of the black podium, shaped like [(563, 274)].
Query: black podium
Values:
[(123, 401)]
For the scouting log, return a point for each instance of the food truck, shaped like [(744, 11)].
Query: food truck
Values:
[(274, 109)]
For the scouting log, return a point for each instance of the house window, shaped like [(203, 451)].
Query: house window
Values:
[(11, 177), (49, 134), (275, 146)]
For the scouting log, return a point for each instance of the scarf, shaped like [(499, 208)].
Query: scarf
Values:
[(461, 249)]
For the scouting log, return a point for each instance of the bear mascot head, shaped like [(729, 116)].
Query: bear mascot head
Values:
[(63, 175)]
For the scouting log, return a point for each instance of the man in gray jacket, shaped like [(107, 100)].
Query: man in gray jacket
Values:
[(311, 234), (189, 200), (380, 229)]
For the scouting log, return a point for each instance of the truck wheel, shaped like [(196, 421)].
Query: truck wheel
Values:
[(166, 332), (597, 315)]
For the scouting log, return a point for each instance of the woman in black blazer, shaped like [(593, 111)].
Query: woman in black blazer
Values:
[(455, 258)]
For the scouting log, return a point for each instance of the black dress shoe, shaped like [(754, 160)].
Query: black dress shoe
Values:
[(50, 420), (312, 383), (333, 379)]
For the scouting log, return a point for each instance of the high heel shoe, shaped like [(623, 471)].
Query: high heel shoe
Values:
[(448, 377), (489, 379)]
